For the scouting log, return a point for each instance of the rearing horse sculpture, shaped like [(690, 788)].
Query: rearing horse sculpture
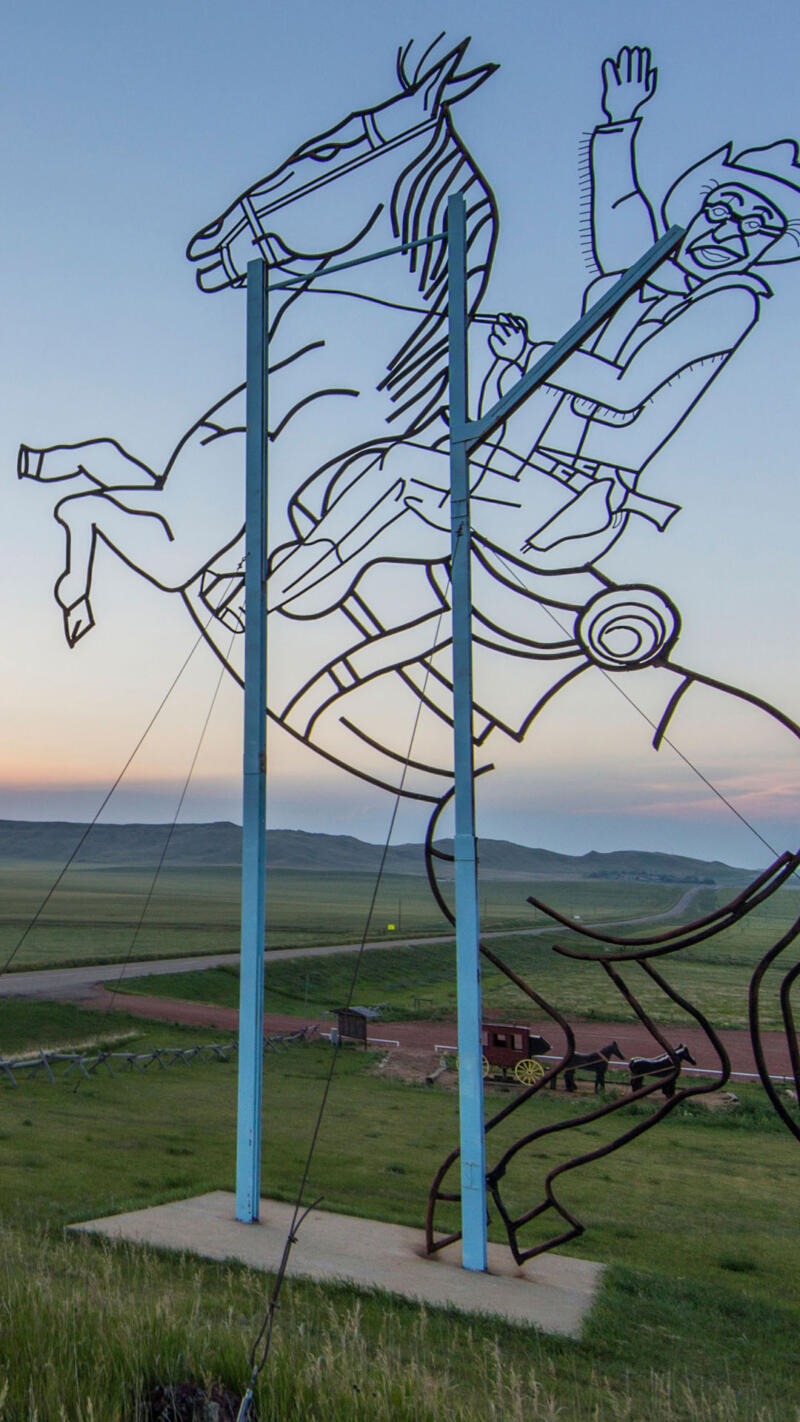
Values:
[(359, 524), (358, 583), (379, 178)]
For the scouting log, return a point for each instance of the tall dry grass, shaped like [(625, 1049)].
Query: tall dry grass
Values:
[(87, 1328)]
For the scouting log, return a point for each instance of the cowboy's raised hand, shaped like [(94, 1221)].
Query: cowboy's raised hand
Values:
[(628, 82), (508, 336)]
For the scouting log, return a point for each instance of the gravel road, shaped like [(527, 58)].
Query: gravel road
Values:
[(76, 984)]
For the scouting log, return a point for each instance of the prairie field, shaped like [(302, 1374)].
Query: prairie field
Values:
[(98, 914), (697, 1317), (698, 1313), (419, 981)]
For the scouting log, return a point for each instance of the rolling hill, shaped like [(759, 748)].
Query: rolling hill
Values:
[(31, 841)]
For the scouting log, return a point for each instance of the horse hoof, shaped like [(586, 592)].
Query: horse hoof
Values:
[(59, 462), (223, 596), (78, 620), (29, 462)]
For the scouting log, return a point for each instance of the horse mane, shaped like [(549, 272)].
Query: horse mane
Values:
[(417, 375), (409, 79)]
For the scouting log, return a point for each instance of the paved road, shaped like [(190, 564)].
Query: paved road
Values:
[(72, 984)]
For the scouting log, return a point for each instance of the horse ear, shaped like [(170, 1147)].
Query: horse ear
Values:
[(442, 85), (460, 85)]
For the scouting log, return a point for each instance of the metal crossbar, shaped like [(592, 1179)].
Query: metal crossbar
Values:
[(357, 262)]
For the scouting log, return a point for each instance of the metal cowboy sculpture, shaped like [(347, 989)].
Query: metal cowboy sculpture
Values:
[(358, 468), (359, 519)]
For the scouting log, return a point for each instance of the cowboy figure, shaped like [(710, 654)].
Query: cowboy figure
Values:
[(608, 409), (615, 402)]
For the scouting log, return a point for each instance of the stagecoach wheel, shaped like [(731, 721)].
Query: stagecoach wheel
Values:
[(528, 1071), (484, 1062)]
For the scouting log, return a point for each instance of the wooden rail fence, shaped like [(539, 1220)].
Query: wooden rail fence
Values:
[(60, 1065)]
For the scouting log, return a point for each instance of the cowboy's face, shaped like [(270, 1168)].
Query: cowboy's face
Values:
[(732, 231)]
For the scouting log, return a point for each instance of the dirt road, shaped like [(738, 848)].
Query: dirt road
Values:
[(632, 1038)]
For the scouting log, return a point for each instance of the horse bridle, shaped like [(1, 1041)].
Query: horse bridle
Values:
[(254, 218)]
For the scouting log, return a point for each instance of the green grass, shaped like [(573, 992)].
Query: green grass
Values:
[(111, 1321), (25, 1026), (137, 1118), (698, 1314), (92, 915), (697, 1318)]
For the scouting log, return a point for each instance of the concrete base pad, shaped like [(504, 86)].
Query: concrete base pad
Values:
[(552, 1292)]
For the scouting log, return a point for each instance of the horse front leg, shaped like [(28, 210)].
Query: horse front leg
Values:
[(133, 533), (103, 462), (76, 516)]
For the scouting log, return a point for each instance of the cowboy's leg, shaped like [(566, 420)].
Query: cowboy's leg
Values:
[(102, 461), (314, 575), (309, 577)]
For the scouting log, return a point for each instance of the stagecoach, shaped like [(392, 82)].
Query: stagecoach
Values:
[(511, 1049)]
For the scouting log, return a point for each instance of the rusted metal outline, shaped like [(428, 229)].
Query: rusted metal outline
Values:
[(790, 1028), (670, 941), (687, 934), (435, 1194)]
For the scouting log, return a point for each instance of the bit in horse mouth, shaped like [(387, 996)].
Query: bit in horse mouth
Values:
[(215, 276)]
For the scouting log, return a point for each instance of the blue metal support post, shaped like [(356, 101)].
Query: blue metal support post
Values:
[(254, 806), (470, 1055)]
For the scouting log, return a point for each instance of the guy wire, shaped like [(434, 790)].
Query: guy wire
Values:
[(627, 697), (88, 829), (153, 882), (264, 1336)]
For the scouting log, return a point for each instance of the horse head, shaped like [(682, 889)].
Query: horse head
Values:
[(684, 1055), (321, 201)]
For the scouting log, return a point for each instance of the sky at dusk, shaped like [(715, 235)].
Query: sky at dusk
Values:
[(128, 129)]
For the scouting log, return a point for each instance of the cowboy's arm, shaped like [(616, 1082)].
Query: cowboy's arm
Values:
[(712, 326), (623, 224), (511, 350)]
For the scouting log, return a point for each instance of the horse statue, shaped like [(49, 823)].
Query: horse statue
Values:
[(595, 1062), (358, 585), (359, 526), (661, 1066), (380, 178)]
